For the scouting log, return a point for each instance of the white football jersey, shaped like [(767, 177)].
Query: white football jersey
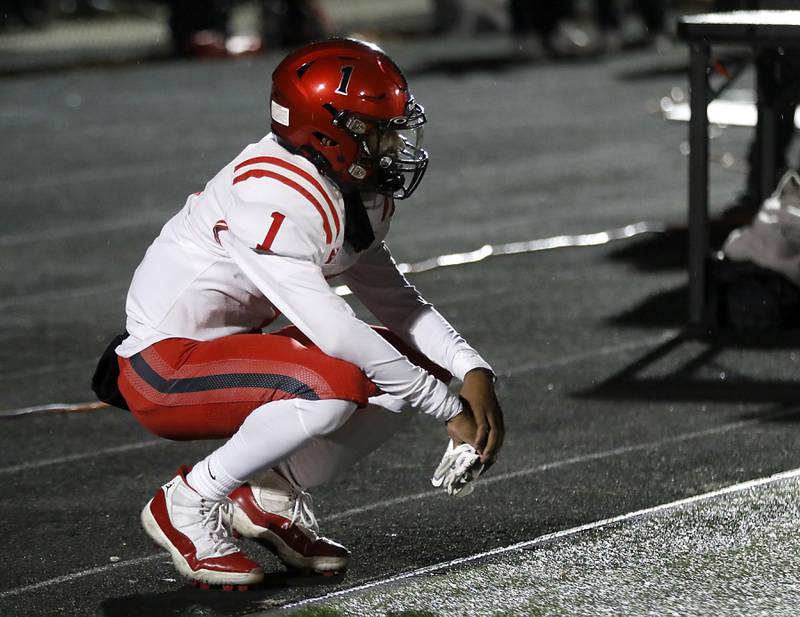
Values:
[(260, 240)]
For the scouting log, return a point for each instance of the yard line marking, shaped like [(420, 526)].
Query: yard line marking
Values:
[(520, 368), (583, 458), (551, 537), (399, 500), (75, 457), (66, 294), (85, 229), (82, 455), (90, 174), (536, 365), (66, 578), (46, 369)]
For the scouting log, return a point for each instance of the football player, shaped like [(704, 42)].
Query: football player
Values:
[(313, 199)]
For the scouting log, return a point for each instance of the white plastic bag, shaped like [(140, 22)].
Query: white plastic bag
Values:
[(772, 240)]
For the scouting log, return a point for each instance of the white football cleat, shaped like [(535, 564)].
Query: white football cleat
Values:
[(459, 469), (193, 530), (280, 515)]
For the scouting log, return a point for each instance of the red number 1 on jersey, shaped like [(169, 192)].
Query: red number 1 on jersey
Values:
[(277, 219)]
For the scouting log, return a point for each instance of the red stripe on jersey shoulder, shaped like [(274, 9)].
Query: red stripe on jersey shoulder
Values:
[(265, 173), (273, 160), (219, 226)]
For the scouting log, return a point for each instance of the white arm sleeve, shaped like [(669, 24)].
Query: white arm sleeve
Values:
[(383, 289), (298, 289)]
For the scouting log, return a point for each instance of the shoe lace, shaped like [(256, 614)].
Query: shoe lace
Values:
[(218, 519), (303, 511)]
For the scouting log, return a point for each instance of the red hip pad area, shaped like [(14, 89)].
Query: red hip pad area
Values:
[(185, 389)]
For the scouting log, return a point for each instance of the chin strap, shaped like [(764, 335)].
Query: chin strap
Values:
[(357, 226)]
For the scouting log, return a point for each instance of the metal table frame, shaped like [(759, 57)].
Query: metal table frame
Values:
[(759, 31)]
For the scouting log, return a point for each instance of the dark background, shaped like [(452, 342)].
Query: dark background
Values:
[(609, 408)]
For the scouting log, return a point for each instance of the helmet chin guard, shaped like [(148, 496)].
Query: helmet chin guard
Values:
[(391, 158), (346, 106)]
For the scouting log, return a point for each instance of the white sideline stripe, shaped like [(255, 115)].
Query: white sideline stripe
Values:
[(520, 368), (146, 219), (62, 294), (533, 366), (117, 172), (743, 486), (583, 458), (46, 369), (664, 336), (570, 461), (66, 578), (76, 457)]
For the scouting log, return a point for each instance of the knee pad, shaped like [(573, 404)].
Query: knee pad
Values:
[(323, 417)]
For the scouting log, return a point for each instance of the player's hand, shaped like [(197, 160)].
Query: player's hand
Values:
[(462, 427), (486, 414)]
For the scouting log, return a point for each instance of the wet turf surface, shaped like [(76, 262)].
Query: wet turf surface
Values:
[(96, 161), (727, 554)]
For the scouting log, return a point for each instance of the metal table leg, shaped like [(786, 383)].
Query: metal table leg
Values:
[(767, 126), (698, 184)]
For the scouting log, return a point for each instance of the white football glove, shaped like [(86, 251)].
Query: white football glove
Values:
[(459, 469)]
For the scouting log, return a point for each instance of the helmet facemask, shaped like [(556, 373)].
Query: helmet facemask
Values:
[(391, 160)]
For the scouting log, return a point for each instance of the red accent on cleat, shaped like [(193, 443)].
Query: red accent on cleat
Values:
[(243, 587), (177, 510), (227, 588), (294, 545)]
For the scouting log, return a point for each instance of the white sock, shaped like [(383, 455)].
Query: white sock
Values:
[(267, 436), (210, 479)]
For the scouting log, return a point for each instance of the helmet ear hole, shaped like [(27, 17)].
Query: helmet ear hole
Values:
[(325, 140), (302, 70)]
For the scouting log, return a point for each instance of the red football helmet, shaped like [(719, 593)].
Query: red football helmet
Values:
[(345, 106)]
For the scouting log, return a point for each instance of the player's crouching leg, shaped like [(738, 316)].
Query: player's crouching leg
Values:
[(195, 532), (279, 513)]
